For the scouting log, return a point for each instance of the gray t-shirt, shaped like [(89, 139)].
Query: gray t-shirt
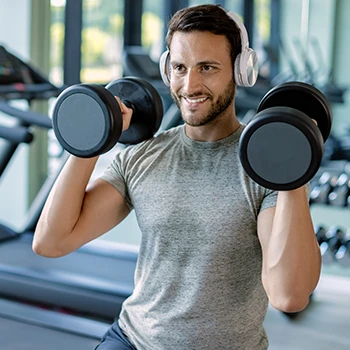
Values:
[(198, 276)]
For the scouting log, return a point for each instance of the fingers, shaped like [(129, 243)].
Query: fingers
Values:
[(126, 113)]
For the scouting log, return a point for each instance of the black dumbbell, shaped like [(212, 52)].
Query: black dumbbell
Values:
[(320, 232), (332, 242), (320, 190), (87, 119), (281, 148), (339, 195), (343, 253)]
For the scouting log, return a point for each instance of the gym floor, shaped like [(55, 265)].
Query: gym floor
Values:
[(323, 325)]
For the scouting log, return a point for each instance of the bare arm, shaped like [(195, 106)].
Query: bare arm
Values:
[(291, 254), (75, 212)]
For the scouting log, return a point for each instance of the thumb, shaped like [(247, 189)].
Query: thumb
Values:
[(126, 113)]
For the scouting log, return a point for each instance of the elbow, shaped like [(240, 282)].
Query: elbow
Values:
[(290, 303), (45, 250)]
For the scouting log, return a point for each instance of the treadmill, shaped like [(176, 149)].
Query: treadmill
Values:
[(91, 282), (27, 327), (35, 325), (95, 279)]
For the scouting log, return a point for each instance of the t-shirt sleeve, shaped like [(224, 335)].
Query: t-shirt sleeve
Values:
[(115, 174), (270, 197)]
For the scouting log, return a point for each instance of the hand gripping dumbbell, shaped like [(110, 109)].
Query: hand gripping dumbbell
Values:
[(87, 118), (281, 147)]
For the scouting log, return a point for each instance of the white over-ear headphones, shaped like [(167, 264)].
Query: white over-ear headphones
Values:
[(245, 66)]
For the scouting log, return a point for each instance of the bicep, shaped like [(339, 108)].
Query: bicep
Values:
[(265, 220), (103, 208)]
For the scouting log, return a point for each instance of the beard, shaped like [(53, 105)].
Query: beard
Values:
[(215, 111)]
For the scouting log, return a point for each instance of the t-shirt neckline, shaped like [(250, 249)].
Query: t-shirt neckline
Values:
[(212, 144)]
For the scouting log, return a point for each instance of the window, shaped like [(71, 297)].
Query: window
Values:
[(102, 40)]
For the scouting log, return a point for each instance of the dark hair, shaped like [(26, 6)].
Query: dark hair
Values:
[(206, 18)]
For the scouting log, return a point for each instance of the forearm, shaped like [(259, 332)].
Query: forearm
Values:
[(292, 260), (65, 201)]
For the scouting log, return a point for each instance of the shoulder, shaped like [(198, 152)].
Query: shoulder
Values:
[(162, 137), (157, 142)]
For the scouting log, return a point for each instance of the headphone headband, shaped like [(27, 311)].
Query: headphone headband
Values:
[(242, 28)]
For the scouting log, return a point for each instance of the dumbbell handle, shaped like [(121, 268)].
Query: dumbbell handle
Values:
[(129, 105), (146, 105)]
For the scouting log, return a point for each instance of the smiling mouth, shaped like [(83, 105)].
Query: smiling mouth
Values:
[(195, 101)]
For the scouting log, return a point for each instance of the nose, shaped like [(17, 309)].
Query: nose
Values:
[(192, 81)]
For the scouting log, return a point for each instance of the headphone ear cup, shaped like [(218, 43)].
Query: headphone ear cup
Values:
[(246, 68), (164, 67), (237, 70), (246, 63)]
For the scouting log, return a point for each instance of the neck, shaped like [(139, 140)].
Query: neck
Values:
[(217, 130)]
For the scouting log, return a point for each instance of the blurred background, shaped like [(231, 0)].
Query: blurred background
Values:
[(46, 46)]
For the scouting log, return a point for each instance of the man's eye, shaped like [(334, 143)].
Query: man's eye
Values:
[(178, 67), (207, 68)]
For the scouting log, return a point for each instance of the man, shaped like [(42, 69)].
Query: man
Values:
[(216, 246)]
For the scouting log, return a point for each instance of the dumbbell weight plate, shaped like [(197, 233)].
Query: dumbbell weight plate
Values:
[(280, 155), (303, 97), (147, 105), (281, 148), (87, 120)]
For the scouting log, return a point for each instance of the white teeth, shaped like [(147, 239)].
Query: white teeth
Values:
[(197, 100)]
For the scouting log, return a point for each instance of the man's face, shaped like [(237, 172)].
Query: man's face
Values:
[(201, 76)]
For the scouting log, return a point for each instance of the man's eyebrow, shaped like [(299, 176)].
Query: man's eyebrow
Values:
[(175, 62), (208, 63), (200, 63)]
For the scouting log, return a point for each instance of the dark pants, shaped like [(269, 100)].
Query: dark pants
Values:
[(115, 339)]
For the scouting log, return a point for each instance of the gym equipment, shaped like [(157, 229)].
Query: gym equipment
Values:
[(20, 80), (26, 118), (334, 92), (343, 253), (292, 74), (19, 133), (245, 66), (137, 62), (320, 233), (281, 148), (87, 118), (40, 327), (29, 303), (320, 191), (338, 197), (81, 283), (323, 236), (16, 134), (331, 243)]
